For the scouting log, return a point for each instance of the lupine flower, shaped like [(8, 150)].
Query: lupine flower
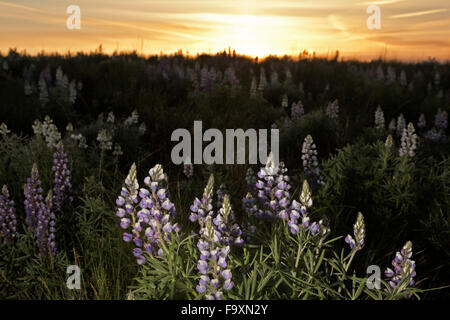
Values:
[(359, 232), (33, 197), (188, 169), (273, 191), (213, 264), (62, 188), (403, 273), (72, 92), (422, 123), (389, 142), (441, 120), (253, 88), (105, 140), (401, 124), (151, 218), (262, 80), (379, 118), (142, 129), (4, 131), (310, 162), (69, 127), (45, 227), (8, 222), (402, 79), (43, 92), (392, 125), (285, 101), (408, 142), (203, 208), (224, 221), (132, 119), (435, 135), (333, 109), (117, 152), (80, 139), (297, 110), (48, 131), (110, 118), (391, 75)]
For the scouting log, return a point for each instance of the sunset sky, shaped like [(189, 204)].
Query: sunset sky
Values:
[(410, 29)]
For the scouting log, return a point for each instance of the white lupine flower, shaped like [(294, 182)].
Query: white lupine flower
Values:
[(274, 78), (43, 92), (262, 80), (392, 125), (389, 142), (80, 139), (59, 76), (65, 82), (437, 79), (117, 152), (310, 161), (285, 101), (105, 140), (72, 92), (391, 75), (5, 65), (28, 88), (79, 85), (401, 124), (37, 128), (110, 118), (142, 128), (379, 118), (403, 80), (4, 131), (69, 127), (380, 73), (253, 88), (204, 81), (408, 142), (132, 119), (50, 132)]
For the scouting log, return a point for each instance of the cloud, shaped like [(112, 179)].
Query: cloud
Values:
[(417, 14)]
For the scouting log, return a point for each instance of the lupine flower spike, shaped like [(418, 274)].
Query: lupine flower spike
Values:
[(8, 222), (203, 208), (310, 162), (408, 142), (33, 197), (62, 189), (404, 272), (379, 118), (45, 227), (359, 232)]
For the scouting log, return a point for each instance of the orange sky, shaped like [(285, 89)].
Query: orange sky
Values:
[(410, 29)]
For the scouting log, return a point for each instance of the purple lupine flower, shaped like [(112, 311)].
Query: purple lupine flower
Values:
[(8, 222), (62, 188), (200, 209), (333, 109), (273, 191), (359, 232), (251, 180), (148, 211), (297, 110), (213, 261), (45, 227), (33, 196), (422, 123), (402, 277), (298, 214), (441, 120), (188, 170), (224, 221), (310, 161)]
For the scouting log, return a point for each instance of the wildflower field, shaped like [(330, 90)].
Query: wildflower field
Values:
[(357, 209)]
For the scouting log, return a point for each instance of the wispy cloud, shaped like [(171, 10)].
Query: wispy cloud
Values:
[(417, 14)]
